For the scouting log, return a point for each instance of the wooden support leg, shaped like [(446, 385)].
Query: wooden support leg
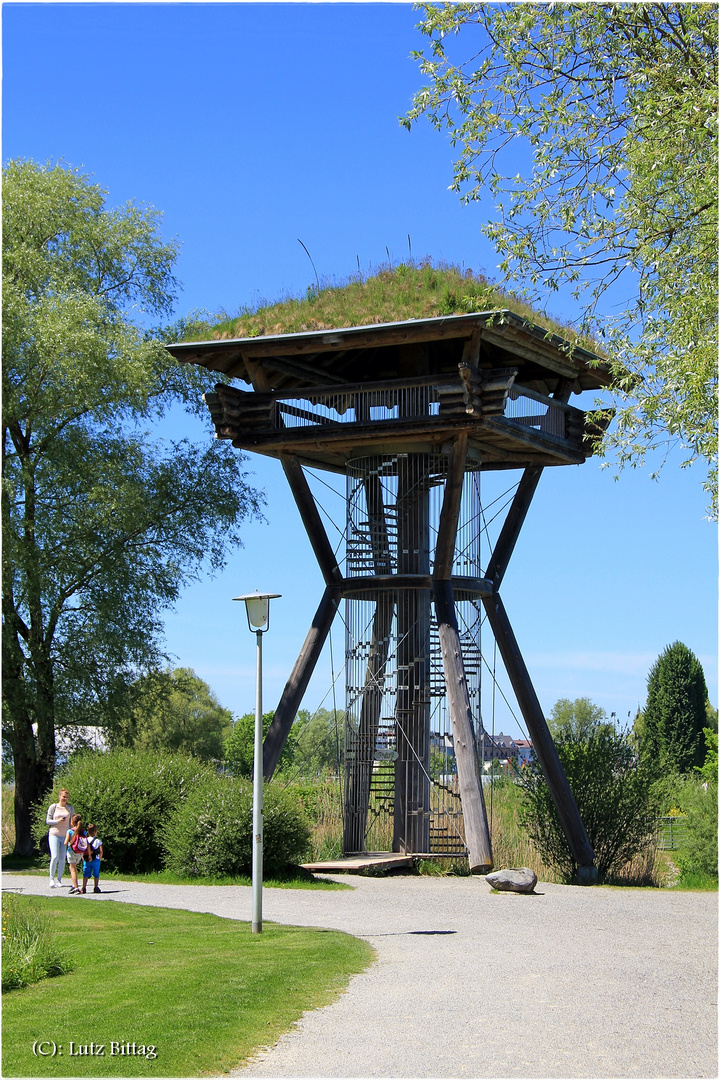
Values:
[(543, 744), (477, 834), (300, 677), (450, 512), (513, 524), (311, 520)]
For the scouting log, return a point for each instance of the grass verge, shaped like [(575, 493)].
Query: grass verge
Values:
[(298, 878), (203, 991), (696, 881), (302, 879)]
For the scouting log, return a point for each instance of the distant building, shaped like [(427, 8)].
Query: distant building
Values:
[(501, 747), (525, 751)]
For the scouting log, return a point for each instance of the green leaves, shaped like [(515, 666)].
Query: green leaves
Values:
[(211, 833), (149, 786), (174, 711), (611, 110), (104, 521), (60, 239)]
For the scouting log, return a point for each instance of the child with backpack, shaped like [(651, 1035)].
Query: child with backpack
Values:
[(91, 861), (77, 846)]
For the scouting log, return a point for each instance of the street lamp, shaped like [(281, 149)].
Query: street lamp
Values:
[(257, 608)]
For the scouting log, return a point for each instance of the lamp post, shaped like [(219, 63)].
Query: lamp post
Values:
[(257, 608)]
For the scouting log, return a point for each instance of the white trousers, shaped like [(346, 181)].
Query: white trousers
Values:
[(57, 856)]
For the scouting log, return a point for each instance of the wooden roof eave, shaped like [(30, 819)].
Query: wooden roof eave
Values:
[(504, 329)]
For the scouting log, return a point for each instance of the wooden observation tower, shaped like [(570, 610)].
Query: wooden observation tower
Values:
[(412, 414)]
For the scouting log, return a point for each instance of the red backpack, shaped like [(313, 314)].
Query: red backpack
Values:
[(79, 844)]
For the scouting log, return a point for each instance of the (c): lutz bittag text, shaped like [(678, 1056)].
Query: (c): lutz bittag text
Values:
[(48, 1048)]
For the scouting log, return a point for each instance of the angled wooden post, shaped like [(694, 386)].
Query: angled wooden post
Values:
[(448, 523), (300, 677), (477, 834), (505, 543), (311, 520), (543, 745)]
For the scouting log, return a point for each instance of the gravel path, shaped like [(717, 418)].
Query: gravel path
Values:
[(569, 982)]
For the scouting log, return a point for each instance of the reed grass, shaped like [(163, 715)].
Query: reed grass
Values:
[(30, 951), (325, 812), (512, 846)]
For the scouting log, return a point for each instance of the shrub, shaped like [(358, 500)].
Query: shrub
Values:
[(130, 796), (321, 802), (211, 832), (614, 793), (29, 950), (698, 855)]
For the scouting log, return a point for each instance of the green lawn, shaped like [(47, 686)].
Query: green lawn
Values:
[(203, 991)]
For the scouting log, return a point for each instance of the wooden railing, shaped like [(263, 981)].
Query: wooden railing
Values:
[(417, 403)]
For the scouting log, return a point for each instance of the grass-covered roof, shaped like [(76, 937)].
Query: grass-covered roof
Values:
[(392, 294), (405, 321)]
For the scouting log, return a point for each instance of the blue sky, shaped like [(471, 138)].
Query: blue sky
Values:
[(252, 126)]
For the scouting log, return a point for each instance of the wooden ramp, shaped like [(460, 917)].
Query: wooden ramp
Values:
[(353, 864)]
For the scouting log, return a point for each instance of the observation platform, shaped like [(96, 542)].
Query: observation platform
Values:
[(327, 397)]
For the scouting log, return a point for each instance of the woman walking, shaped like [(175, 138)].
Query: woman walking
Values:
[(58, 818)]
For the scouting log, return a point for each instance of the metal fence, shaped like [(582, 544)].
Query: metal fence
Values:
[(672, 831)]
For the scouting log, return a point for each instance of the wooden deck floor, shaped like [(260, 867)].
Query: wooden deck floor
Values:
[(353, 864)]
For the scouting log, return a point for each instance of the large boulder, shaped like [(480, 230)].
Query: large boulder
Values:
[(520, 879)]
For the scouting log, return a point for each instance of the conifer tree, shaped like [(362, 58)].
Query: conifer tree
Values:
[(674, 716)]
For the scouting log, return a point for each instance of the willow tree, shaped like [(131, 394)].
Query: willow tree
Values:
[(104, 521), (593, 130), (175, 711)]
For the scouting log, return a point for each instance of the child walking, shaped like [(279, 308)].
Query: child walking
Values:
[(91, 862), (77, 848)]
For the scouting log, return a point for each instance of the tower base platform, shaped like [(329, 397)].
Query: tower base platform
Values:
[(355, 864)]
